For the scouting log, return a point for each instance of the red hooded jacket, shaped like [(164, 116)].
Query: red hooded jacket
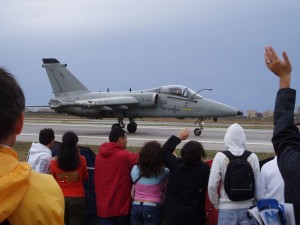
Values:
[(212, 213), (112, 180)]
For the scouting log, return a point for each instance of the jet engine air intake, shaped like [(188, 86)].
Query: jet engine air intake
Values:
[(148, 100)]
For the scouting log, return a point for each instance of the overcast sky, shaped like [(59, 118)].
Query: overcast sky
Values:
[(140, 44)]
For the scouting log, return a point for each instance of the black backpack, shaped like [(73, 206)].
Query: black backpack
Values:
[(239, 180)]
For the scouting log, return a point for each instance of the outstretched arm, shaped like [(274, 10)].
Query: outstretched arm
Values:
[(286, 137), (284, 127), (169, 147), (282, 68)]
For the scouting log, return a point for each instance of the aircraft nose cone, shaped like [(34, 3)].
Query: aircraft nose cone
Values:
[(239, 113)]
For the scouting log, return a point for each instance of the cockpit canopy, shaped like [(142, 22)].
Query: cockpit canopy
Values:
[(178, 90)]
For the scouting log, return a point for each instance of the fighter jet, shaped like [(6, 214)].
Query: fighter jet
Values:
[(170, 101)]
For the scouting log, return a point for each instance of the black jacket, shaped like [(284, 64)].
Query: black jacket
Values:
[(185, 196), (286, 142)]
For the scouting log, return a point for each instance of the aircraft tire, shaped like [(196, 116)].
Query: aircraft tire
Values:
[(197, 131), (131, 127), (115, 125)]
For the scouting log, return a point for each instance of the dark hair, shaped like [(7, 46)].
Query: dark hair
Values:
[(68, 158), (46, 136), (115, 134), (12, 103), (150, 160), (192, 153)]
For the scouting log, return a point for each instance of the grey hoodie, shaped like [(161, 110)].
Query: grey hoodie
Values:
[(39, 158), (235, 139), (235, 142)]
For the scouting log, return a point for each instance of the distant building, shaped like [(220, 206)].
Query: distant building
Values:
[(268, 114), (45, 110), (297, 110), (39, 109), (259, 115), (251, 113)]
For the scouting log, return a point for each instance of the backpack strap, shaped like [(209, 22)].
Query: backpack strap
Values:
[(246, 154), (140, 176), (231, 157)]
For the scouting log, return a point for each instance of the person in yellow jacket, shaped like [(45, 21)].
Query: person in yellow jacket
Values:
[(26, 197)]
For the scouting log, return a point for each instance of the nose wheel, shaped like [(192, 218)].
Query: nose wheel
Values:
[(198, 131), (131, 126), (118, 125)]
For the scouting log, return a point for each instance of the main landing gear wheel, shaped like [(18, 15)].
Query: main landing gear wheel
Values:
[(197, 131), (131, 127)]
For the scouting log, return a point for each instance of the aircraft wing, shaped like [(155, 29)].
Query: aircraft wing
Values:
[(101, 102)]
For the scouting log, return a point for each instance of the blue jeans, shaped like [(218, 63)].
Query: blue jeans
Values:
[(234, 217), (145, 215), (116, 220)]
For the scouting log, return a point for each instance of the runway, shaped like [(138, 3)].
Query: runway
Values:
[(95, 132)]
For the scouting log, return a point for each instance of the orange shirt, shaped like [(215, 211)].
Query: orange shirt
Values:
[(70, 182)]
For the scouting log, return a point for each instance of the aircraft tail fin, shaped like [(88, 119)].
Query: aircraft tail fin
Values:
[(61, 79)]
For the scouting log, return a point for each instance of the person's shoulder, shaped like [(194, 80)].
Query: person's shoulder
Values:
[(205, 168), (41, 187), (33, 145), (219, 156), (44, 182), (46, 155), (164, 172), (264, 169), (206, 165), (219, 161), (82, 157), (135, 169), (270, 164), (83, 160), (253, 156), (126, 152), (54, 163)]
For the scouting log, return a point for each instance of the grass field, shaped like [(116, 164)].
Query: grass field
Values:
[(23, 147)]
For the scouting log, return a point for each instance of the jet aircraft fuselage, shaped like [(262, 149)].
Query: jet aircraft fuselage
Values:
[(175, 101)]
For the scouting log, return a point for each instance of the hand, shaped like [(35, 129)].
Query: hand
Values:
[(183, 134), (282, 68)]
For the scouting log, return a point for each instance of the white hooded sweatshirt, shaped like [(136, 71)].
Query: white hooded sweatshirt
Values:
[(235, 142), (270, 183), (39, 158)]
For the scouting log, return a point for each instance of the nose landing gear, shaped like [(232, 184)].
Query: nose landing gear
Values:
[(120, 124), (131, 126), (198, 131)]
